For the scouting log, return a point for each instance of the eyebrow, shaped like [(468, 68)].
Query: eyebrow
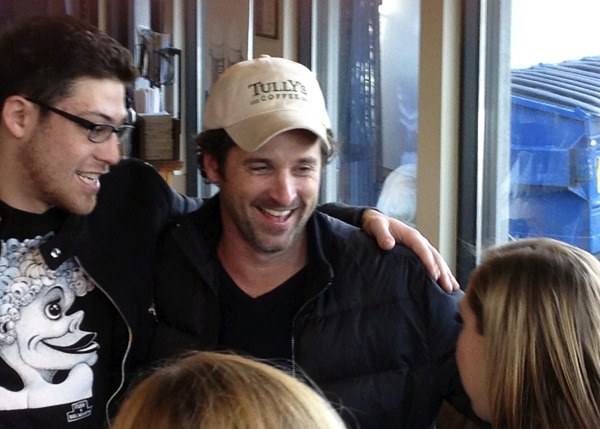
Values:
[(267, 159), (310, 160), (107, 118), (306, 160)]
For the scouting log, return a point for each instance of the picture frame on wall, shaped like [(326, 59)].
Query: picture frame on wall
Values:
[(266, 18)]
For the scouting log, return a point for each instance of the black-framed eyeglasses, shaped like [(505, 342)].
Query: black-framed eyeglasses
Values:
[(97, 133)]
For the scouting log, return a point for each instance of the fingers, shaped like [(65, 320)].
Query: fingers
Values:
[(445, 278), (384, 237), (377, 225), (389, 231), (432, 259)]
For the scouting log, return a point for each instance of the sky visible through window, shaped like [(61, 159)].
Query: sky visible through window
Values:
[(551, 31)]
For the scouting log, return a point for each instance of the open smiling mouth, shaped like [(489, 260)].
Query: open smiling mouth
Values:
[(279, 215), (89, 177), (85, 345)]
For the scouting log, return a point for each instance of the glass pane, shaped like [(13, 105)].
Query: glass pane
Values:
[(399, 107), (376, 105), (555, 121)]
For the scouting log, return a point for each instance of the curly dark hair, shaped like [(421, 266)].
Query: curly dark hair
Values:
[(40, 57)]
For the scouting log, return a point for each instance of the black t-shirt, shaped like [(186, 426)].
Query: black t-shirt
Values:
[(55, 328), (260, 327)]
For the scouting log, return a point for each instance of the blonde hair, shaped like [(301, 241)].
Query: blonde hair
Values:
[(211, 390), (537, 305)]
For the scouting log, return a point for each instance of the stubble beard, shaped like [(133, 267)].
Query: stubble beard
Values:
[(252, 234), (46, 184)]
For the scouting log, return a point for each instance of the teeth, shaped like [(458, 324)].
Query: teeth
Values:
[(281, 213), (89, 177)]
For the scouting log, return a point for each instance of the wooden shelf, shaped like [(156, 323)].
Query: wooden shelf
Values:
[(166, 168)]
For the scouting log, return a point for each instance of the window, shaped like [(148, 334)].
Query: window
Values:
[(539, 124), (372, 91)]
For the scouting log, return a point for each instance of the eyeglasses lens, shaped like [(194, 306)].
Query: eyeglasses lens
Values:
[(101, 133)]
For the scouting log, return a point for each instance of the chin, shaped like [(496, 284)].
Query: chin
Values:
[(80, 210), (73, 203), (81, 207), (481, 411)]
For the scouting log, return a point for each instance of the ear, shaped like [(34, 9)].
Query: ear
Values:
[(17, 116), (211, 168)]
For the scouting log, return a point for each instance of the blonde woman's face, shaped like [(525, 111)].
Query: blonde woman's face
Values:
[(470, 360)]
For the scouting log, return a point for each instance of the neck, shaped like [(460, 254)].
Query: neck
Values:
[(258, 273)]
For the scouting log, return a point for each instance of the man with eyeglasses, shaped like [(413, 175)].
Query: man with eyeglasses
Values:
[(97, 133), (77, 244)]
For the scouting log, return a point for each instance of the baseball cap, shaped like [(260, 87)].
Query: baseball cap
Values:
[(257, 99)]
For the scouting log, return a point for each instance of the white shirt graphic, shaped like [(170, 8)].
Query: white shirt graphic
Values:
[(37, 336)]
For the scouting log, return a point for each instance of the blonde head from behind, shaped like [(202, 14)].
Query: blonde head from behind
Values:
[(537, 305), (210, 390)]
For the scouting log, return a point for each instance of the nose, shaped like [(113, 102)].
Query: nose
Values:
[(108, 151), (283, 189)]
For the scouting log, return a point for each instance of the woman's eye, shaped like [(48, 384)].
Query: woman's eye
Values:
[(53, 310)]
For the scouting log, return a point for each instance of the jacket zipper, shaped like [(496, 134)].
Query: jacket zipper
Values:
[(129, 342), (293, 339)]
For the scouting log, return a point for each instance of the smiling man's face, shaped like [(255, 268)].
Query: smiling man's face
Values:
[(60, 166), (268, 195)]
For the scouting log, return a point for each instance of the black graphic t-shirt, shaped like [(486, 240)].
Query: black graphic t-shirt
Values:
[(55, 328)]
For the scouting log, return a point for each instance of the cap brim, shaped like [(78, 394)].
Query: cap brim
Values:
[(250, 134)]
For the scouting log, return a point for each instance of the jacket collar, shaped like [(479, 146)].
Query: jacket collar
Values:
[(65, 231), (66, 242), (198, 234)]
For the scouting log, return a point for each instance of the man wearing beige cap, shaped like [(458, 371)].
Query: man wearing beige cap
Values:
[(258, 271)]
